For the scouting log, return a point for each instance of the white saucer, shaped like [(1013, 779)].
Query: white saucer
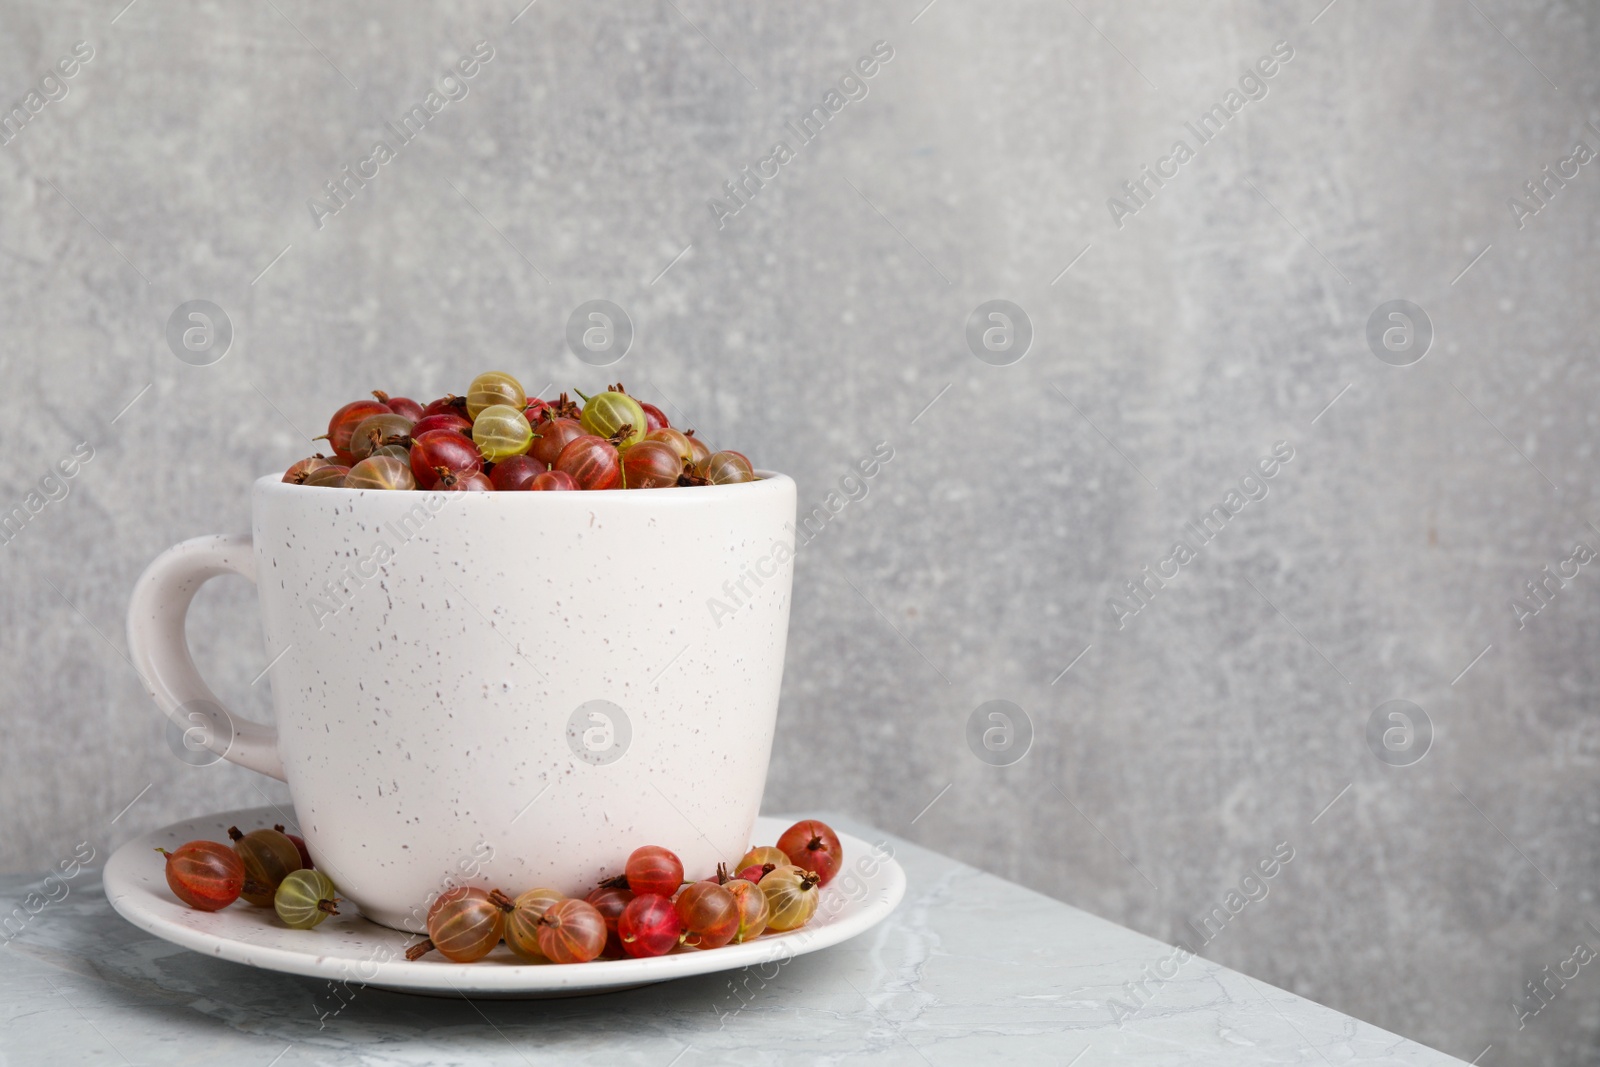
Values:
[(348, 948)]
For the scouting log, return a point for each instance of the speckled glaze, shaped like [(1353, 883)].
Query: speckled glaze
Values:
[(435, 645)]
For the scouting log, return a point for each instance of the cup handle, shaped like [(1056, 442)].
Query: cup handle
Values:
[(160, 648)]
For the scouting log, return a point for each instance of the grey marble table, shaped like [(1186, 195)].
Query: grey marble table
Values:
[(970, 969)]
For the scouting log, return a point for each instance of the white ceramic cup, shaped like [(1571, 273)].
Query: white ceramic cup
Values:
[(497, 689)]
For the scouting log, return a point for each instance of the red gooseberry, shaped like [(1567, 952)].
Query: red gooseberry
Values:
[(649, 926), (204, 875), (303, 469), (299, 843), (518, 472), (610, 901), (449, 404), (553, 480), (653, 869), (710, 914), (441, 422), (560, 408), (464, 924), (650, 465), (400, 405), (571, 931), (592, 461), (813, 846), (470, 482), (550, 436), (344, 422), (653, 417), (757, 871), (440, 453)]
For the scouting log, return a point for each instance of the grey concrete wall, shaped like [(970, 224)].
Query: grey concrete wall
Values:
[(1220, 314)]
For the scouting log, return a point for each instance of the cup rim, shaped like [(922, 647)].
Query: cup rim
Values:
[(768, 480)]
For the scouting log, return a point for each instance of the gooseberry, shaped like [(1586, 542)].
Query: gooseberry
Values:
[(400, 405), (675, 439), (613, 414), (610, 901), (753, 909), (470, 482), (399, 452), (437, 453), (331, 476), (813, 846), (522, 921), (380, 472), (501, 431), (515, 473), (376, 431), (792, 895), (757, 871), (762, 854), (464, 924), (560, 408), (653, 417), (650, 465), (299, 843), (449, 404), (441, 422), (710, 914), (204, 875), (268, 857), (571, 931), (649, 926), (725, 468), (592, 461), (551, 436), (553, 480), (493, 388), (300, 470), (305, 898), (344, 422), (653, 869)]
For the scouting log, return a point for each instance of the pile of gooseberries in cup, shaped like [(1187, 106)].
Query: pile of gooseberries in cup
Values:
[(647, 910), (495, 438)]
